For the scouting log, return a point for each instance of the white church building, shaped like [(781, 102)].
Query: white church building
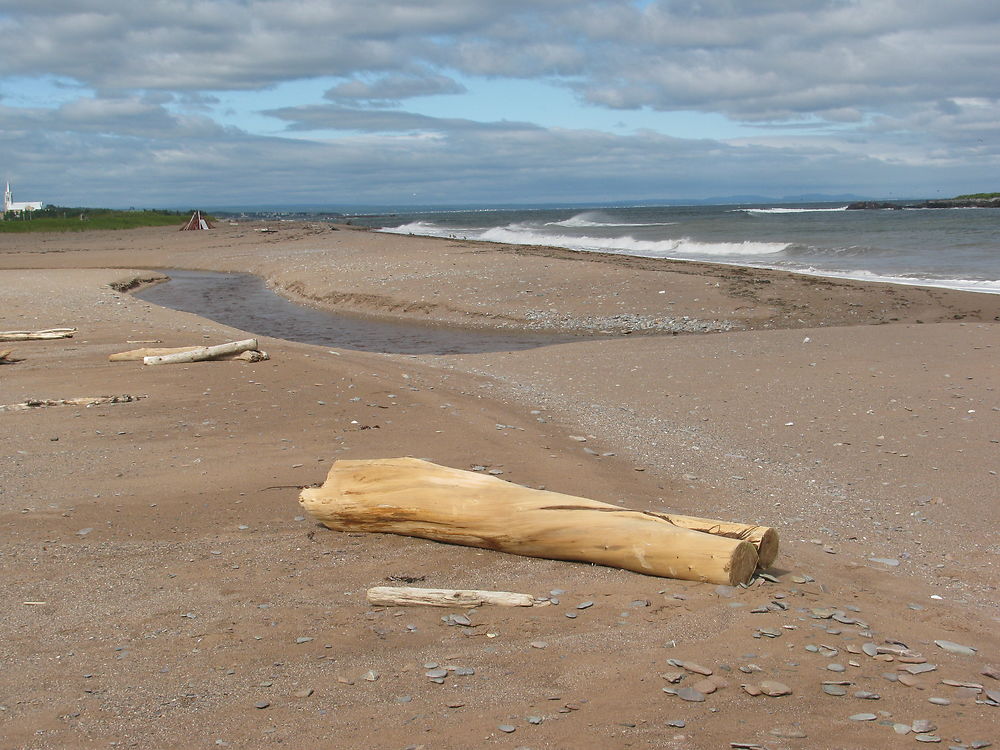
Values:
[(10, 205)]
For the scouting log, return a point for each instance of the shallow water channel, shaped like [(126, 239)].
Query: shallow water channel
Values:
[(243, 301)]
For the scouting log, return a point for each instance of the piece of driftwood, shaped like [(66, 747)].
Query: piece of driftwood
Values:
[(7, 356), (203, 353), (764, 538), (35, 403), (417, 498), (398, 596), (139, 355), (48, 333)]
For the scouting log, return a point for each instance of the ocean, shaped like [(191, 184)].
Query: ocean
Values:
[(956, 248)]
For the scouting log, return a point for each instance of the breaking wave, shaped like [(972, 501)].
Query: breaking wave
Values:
[(787, 210), (591, 220), (520, 234)]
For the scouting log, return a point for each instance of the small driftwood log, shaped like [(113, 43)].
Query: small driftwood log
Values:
[(6, 356), (417, 498), (35, 403), (48, 333), (203, 353), (396, 596)]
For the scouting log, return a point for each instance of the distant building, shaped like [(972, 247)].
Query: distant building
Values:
[(10, 205)]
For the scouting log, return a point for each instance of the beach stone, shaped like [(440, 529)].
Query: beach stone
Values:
[(774, 688), (922, 726), (436, 674), (865, 695), (507, 728), (585, 605), (920, 668), (535, 719), (678, 723), (464, 672), (836, 690), (673, 677), (956, 648), (993, 695), (303, 639), (927, 738), (690, 694), (791, 733), (901, 729), (262, 704), (690, 666), (870, 649), (751, 690), (939, 701), (863, 717), (836, 667), (304, 693), (705, 686), (539, 644), (889, 561), (909, 680), (371, 675)]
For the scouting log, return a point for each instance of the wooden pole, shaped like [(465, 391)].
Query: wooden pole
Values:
[(395, 596), (203, 353), (418, 498)]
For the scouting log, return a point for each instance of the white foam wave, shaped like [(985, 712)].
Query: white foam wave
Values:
[(682, 247), (521, 234), (580, 222), (788, 210)]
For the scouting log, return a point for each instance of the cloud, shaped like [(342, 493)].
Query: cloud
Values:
[(845, 96)]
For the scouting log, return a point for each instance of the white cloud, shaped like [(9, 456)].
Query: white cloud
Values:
[(847, 95)]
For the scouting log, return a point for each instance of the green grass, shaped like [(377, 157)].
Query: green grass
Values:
[(977, 196), (59, 219)]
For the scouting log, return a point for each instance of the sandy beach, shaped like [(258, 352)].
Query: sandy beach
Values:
[(162, 587)]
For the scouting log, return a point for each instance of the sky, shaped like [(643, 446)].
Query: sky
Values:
[(177, 103)]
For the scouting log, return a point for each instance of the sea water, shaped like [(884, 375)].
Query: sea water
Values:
[(957, 248)]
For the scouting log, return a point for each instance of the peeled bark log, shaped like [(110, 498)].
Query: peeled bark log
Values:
[(203, 353), (417, 498), (48, 333), (136, 355), (764, 538), (395, 596)]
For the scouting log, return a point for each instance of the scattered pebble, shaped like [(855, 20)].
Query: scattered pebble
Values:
[(262, 704), (508, 728), (690, 694), (863, 717), (539, 644)]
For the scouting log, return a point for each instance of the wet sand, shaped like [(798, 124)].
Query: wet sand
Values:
[(179, 581)]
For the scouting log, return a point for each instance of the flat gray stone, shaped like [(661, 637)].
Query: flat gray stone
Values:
[(836, 690), (956, 648), (863, 717), (508, 728), (690, 694)]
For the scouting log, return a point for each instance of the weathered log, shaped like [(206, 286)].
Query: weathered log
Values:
[(48, 333), (203, 353), (418, 498), (137, 355), (764, 538), (6, 356), (395, 596), (35, 403)]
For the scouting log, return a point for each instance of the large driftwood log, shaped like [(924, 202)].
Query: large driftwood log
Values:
[(396, 596), (417, 498), (764, 538), (203, 353), (48, 333)]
